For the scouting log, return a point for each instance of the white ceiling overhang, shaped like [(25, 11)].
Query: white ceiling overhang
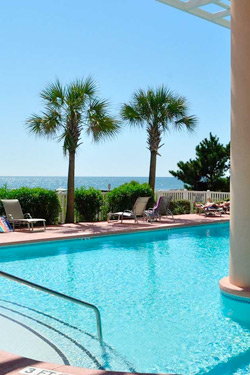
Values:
[(216, 11)]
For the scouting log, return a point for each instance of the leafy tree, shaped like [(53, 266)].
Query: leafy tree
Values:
[(124, 196), (208, 170), (70, 111), (157, 110)]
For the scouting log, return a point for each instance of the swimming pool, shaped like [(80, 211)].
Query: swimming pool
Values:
[(157, 292)]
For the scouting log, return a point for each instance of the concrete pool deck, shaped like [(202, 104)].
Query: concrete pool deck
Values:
[(12, 364), (87, 229)]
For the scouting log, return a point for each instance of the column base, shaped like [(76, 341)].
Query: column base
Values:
[(232, 289), (235, 302)]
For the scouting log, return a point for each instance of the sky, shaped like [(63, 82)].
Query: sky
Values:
[(123, 45)]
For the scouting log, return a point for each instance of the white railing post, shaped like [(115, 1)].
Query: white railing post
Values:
[(191, 200), (62, 196), (185, 194), (158, 194), (208, 195)]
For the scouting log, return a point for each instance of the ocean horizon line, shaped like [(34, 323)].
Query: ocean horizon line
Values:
[(97, 182)]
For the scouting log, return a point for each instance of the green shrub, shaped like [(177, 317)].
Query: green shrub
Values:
[(88, 203), (123, 197), (40, 203), (104, 210), (180, 207)]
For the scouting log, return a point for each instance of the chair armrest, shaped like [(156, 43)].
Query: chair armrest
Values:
[(27, 216)]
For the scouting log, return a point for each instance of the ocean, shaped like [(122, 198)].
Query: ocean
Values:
[(53, 183)]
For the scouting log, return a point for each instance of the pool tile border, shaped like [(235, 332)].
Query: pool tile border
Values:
[(236, 298), (84, 230)]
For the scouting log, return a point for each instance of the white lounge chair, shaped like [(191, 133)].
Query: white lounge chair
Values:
[(138, 210), (15, 214), (213, 210)]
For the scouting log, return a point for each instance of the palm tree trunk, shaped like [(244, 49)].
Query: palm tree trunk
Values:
[(71, 189), (152, 170)]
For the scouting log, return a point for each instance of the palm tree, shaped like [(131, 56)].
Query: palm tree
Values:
[(156, 110), (69, 111)]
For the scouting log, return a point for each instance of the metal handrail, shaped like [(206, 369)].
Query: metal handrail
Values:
[(60, 295)]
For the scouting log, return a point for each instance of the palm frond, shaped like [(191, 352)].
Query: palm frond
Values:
[(190, 122), (71, 108), (139, 110), (79, 91), (142, 101), (100, 124), (35, 124), (177, 106), (46, 125), (53, 94), (130, 114), (88, 85), (157, 109)]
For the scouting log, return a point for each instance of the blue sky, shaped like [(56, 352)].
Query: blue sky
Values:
[(123, 45)]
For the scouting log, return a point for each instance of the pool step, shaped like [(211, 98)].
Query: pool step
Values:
[(20, 338), (76, 347)]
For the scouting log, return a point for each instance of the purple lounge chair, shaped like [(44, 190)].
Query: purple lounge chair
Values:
[(160, 209)]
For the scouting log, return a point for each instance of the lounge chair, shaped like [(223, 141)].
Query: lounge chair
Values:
[(15, 214), (160, 209), (212, 210), (138, 210), (226, 207)]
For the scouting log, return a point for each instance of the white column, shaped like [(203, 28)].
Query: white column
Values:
[(239, 274)]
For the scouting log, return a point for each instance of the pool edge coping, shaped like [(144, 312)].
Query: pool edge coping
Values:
[(14, 363), (110, 232)]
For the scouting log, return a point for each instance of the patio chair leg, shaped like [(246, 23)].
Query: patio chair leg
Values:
[(171, 214), (44, 226)]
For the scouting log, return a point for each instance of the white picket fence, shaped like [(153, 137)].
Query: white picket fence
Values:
[(190, 195), (62, 196)]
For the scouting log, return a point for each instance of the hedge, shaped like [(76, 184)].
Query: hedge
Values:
[(180, 207), (88, 203), (40, 203), (123, 197)]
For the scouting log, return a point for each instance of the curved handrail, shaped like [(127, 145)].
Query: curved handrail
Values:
[(60, 295)]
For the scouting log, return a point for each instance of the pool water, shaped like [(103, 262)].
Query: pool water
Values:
[(157, 292)]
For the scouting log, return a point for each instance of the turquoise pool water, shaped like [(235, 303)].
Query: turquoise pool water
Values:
[(157, 291)]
